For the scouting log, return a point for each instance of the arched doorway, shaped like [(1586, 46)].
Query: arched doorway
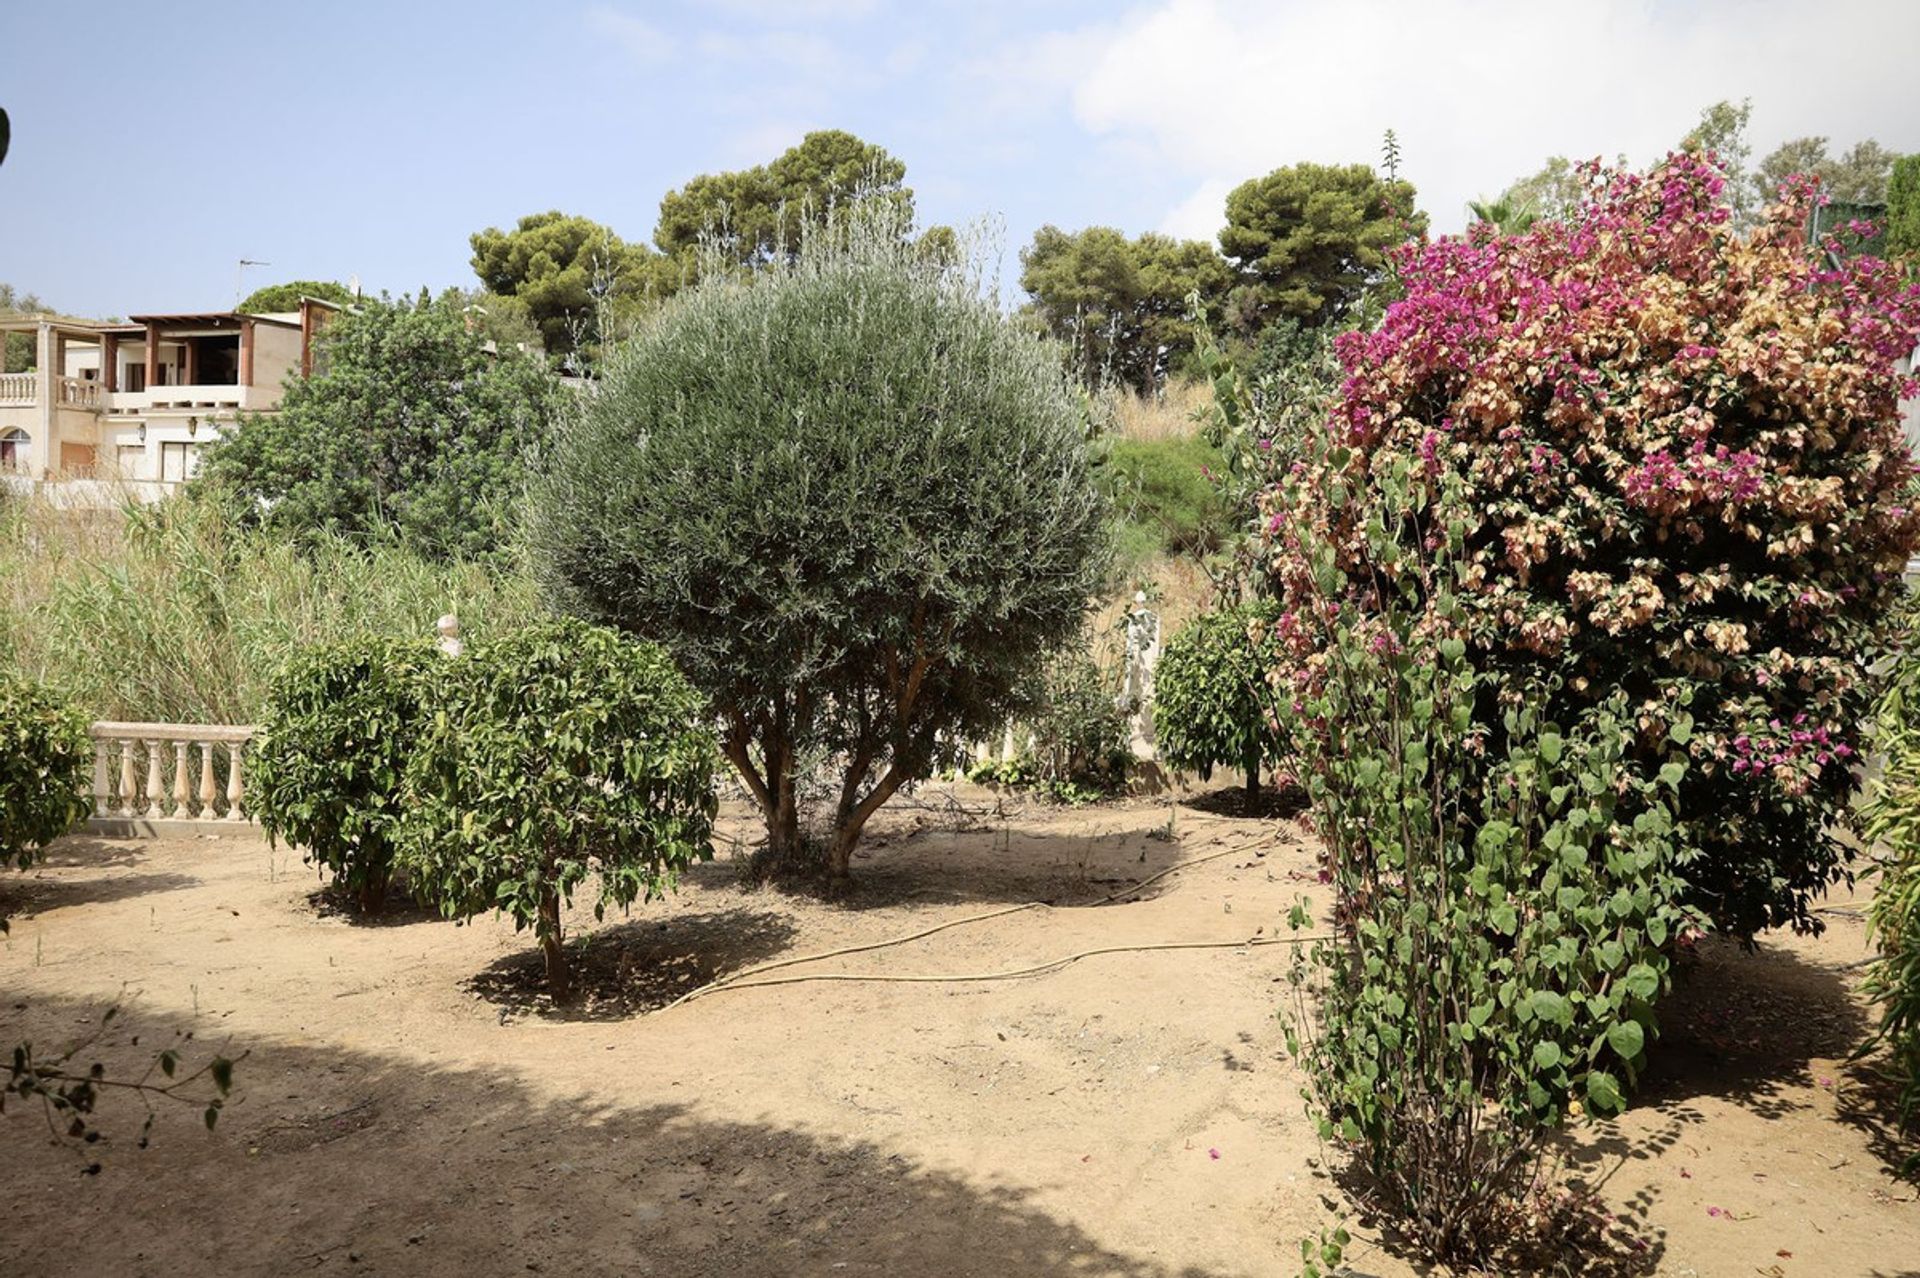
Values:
[(13, 449)]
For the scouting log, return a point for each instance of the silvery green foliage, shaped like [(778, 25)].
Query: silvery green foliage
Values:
[(849, 497)]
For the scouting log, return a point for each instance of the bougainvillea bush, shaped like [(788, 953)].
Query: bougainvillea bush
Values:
[(1503, 896), (1680, 452)]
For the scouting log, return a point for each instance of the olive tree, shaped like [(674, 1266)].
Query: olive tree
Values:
[(850, 497), (557, 751)]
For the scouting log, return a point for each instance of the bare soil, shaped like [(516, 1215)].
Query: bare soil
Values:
[(409, 1103)]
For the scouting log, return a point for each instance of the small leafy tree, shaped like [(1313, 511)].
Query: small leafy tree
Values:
[(1211, 704), (328, 766), (850, 497), (407, 423), (558, 751), (46, 759)]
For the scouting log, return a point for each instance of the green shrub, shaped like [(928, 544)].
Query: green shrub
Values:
[(46, 765), (851, 499), (1211, 704), (1903, 211), (1500, 923), (1892, 822), (332, 753), (553, 752), (1072, 742), (408, 422)]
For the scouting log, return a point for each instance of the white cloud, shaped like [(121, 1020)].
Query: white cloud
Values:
[(1201, 215), (646, 43), (797, 10), (1481, 91)]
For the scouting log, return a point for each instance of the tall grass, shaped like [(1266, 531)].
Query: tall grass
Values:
[(172, 613)]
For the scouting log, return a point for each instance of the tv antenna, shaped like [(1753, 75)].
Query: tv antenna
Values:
[(239, 274)]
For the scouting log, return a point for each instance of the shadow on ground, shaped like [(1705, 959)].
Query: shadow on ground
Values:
[(330, 1162), (1745, 1026), (25, 895), (638, 966), (1269, 804), (905, 863), (335, 901)]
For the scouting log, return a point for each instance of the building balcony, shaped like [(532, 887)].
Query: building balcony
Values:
[(22, 390), (189, 399)]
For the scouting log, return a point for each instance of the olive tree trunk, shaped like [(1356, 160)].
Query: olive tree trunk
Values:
[(552, 945)]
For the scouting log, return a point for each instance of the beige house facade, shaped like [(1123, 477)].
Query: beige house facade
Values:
[(133, 404)]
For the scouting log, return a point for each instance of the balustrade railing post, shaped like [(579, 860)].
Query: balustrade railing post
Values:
[(182, 789), (207, 791), (236, 786), (126, 802), (156, 792), (102, 778)]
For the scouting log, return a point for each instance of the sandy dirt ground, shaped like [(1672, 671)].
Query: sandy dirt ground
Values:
[(409, 1104)]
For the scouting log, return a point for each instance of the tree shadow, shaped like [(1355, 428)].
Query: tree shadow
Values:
[(334, 900), (86, 851), (338, 1162), (637, 966), (1869, 1102), (907, 862), (1745, 1026), (24, 895), (1270, 804)]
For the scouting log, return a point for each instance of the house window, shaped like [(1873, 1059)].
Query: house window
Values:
[(13, 449), (177, 463), (136, 377)]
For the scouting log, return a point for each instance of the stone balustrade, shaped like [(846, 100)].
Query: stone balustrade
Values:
[(150, 775), (19, 388), (77, 392)]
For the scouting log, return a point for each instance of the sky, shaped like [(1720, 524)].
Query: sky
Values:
[(154, 148)]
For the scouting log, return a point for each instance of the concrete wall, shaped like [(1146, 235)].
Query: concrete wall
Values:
[(276, 356), (171, 440)]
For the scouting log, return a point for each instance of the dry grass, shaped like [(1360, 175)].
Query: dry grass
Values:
[(1172, 414)]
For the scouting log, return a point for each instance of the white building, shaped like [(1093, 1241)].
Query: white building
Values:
[(133, 403)]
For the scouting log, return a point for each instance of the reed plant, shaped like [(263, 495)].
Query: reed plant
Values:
[(175, 613)]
